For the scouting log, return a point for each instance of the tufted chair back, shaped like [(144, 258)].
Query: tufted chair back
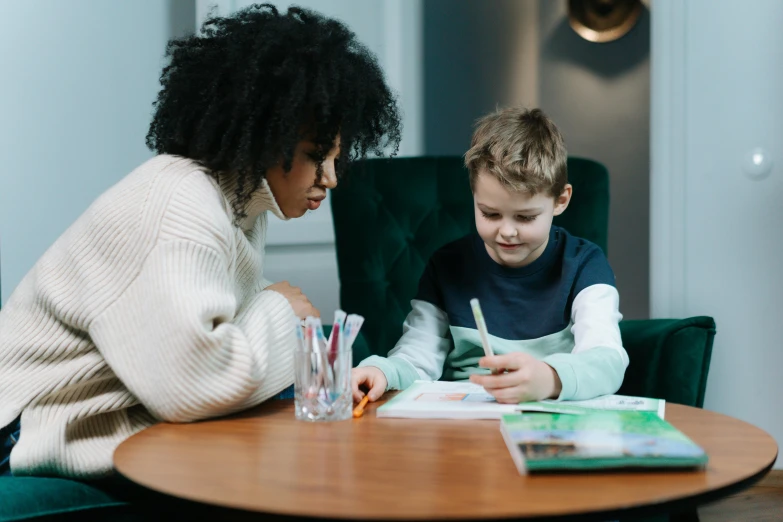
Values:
[(391, 215)]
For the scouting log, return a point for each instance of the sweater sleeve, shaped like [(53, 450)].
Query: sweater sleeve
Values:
[(177, 340), (420, 352), (597, 364)]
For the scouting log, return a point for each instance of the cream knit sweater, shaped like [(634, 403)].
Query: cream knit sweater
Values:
[(150, 307)]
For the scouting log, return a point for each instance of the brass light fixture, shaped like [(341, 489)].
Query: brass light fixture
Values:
[(603, 20)]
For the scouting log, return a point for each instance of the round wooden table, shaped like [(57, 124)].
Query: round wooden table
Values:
[(403, 469)]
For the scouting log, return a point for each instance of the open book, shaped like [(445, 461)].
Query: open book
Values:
[(465, 400)]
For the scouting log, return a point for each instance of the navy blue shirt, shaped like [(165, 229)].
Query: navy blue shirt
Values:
[(538, 296)]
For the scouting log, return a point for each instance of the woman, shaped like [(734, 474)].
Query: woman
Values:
[(152, 306)]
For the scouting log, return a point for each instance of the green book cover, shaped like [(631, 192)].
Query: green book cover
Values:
[(597, 440)]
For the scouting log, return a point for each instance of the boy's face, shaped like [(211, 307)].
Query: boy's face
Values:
[(514, 225)]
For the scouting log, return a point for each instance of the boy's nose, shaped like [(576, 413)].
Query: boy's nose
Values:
[(508, 232)]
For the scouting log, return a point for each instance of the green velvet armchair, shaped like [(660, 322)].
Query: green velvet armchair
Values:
[(390, 215)]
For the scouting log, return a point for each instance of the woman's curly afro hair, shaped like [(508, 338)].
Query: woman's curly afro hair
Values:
[(240, 95)]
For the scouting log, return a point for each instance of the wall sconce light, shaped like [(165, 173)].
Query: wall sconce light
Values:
[(603, 20)]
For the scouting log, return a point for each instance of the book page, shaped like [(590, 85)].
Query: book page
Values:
[(621, 403), (444, 399)]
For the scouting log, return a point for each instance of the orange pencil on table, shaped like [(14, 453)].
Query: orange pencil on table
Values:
[(358, 411)]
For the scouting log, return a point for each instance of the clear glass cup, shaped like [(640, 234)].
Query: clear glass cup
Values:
[(322, 384)]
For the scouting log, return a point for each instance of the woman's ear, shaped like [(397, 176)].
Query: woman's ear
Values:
[(562, 201)]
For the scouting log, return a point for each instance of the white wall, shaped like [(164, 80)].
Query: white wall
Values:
[(302, 250), (716, 233), (79, 79), (599, 96)]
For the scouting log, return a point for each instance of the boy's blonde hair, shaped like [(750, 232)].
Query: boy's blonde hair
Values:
[(522, 148)]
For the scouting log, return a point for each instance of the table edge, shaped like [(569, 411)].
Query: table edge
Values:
[(675, 505)]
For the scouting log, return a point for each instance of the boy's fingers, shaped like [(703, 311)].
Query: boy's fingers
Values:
[(377, 389), (508, 395), (493, 362), (494, 382), (502, 362), (357, 393)]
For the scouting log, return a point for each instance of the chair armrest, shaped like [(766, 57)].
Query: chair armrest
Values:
[(669, 358)]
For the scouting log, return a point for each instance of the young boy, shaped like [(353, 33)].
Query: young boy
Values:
[(548, 297)]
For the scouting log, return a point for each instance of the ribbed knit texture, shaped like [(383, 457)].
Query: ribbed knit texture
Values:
[(150, 307)]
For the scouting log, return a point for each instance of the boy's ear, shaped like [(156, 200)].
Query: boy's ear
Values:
[(562, 201)]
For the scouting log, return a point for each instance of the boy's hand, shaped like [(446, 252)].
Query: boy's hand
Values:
[(370, 378), (527, 378)]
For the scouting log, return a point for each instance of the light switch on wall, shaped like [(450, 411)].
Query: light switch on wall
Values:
[(757, 163)]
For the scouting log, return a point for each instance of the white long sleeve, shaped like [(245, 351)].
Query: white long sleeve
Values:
[(216, 360), (150, 307), (420, 352), (597, 363)]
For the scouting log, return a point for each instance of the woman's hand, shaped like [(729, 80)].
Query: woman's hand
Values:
[(526, 378), (299, 302), (370, 378)]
